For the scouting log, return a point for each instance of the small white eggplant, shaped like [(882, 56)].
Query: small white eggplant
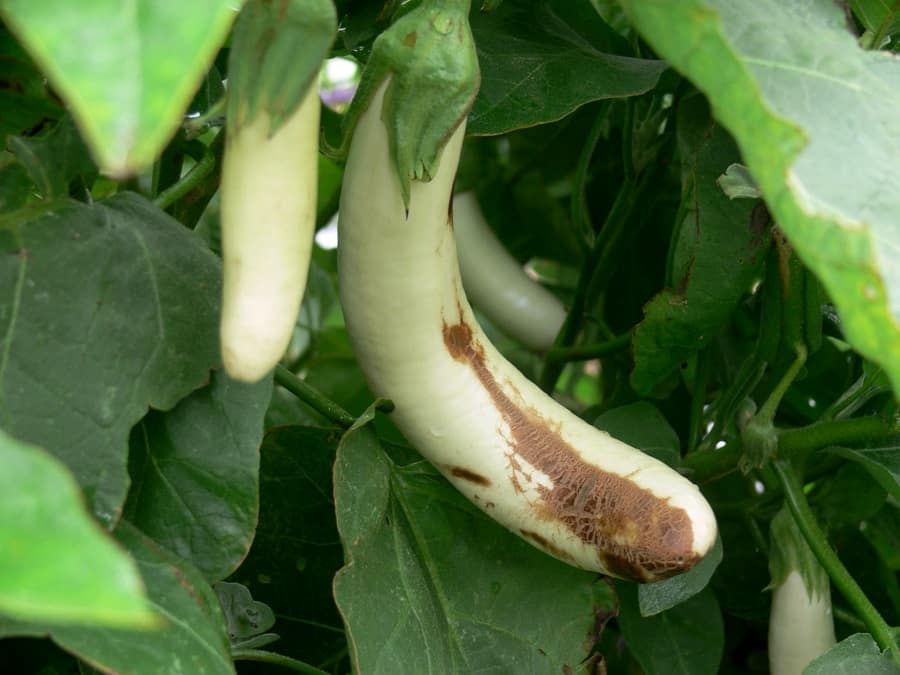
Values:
[(268, 190), (801, 626), (497, 284)]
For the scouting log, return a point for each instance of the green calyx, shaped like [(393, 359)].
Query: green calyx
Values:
[(789, 552), (760, 441), (276, 51), (429, 56)]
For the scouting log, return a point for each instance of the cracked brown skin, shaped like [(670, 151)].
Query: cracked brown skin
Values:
[(636, 534), (469, 475)]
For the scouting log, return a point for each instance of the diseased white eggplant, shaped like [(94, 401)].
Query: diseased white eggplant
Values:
[(497, 284), (528, 462)]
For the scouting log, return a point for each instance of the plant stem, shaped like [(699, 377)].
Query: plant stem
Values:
[(590, 351), (313, 398), (187, 183), (615, 219), (628, 140), (849, 618), (698, 399), (856, 430), (196, 126), (263, 656), (806, 522), (578, 211), (768, 409), (708, 464)]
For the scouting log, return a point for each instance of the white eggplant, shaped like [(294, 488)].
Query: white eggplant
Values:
[(268, 190), (561, 484), (801, 626), (497, 284)]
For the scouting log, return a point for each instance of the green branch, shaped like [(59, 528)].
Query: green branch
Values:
[(313, 398), (706, 465), (590, 351), (842, 579), (276, 660), (615, 220), (176, 191)]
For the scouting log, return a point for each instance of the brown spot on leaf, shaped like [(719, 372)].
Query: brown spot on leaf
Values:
[(410, 39), (636, 534), (470, 476)]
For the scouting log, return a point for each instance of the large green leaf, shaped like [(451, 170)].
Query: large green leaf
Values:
[(540, 61), (190, 640), (433, 586), (46, 535), (195, 471), (780, 75), (105, 310), (297, 549), (642, 425), (719, 250), (668, 593), (127, 70), (685, 640), (855, 655)]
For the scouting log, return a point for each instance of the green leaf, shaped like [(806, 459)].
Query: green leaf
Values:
[(883, 533), (15, 185), (855, 655), (778, 75), (433, 586), (541, 61), (666, 594), (880, 17), (687, 639), (883, 463), (127, 70), (849, 495), (245, 617), (53, 160), (643, 426), (195, 471), (719, 251), (192, 639), (297, 550), (105, 310), (46, 536), (24, 97)]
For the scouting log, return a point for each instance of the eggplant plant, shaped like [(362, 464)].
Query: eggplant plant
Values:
[(570, 344)]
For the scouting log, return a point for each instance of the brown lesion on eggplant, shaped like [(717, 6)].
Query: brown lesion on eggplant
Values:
[(636, 534), (469, 475), (546, 544), (450, 206)]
